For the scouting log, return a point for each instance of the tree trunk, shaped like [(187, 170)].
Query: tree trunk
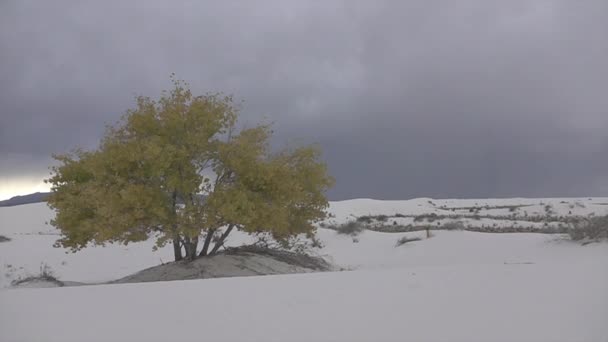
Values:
[(177, 249), (190, 245), (207, 242), (220, 242)]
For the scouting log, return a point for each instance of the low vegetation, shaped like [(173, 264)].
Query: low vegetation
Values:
[(370, 219), (491, 224), (4, 238), (546, 219), (594, 228), (489, 207), (453, 225)]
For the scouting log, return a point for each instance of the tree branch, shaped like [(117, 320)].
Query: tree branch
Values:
[(221, 240), (207, 242)]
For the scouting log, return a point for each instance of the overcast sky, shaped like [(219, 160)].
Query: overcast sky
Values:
[(407, 98)]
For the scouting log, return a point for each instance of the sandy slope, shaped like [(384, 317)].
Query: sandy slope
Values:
[(456, 286), (541, 302)]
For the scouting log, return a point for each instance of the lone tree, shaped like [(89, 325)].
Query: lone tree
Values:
[(177, 170)]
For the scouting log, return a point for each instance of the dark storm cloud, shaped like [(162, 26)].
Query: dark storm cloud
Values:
[(407, 98)]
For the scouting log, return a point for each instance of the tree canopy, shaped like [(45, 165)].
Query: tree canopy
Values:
[(176, 169)]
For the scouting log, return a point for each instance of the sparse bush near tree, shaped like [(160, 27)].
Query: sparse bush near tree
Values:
[(316, 242), (594, 228), (179, 170), (350, 228), (295, 243)]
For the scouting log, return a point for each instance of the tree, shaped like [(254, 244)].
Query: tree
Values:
[(177, 170)]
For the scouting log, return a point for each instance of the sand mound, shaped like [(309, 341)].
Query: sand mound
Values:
[(234, 262)]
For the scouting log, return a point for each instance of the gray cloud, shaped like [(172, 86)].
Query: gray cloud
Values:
[(407, 98)]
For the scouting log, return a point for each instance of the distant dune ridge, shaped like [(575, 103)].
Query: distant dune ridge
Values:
[(36, 197)]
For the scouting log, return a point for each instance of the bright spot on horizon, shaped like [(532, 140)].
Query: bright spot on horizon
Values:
[(19, 187)]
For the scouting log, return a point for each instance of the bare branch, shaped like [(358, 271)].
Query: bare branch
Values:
[(220, 241)]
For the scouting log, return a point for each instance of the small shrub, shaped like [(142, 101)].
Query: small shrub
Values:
[(364, 219), (45, 274), (382, 218), (399, 215), (4, 238), (350, 228), (405, 239), (594, 228)]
